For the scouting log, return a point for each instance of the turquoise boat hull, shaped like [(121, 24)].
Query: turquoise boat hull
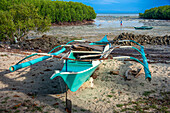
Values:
[(75, 73)]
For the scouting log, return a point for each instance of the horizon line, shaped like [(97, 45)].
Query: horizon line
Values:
[(116, 13)]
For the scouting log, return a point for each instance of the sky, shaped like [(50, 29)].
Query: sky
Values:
[(122, 6)]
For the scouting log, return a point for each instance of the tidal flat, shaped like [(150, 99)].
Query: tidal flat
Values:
[(110, 25)]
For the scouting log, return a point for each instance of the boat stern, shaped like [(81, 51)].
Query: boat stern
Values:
[(56, 73)]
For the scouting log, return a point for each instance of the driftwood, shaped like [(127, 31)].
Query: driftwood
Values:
[(134, 73)]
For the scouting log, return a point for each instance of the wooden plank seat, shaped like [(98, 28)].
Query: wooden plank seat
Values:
[(90, 56), (87, 52), (92, 47)]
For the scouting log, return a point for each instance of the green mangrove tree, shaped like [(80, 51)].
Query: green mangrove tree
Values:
[(18, 17), (162, 12)]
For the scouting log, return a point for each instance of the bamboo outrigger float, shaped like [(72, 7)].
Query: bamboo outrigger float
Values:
[(80, 65)]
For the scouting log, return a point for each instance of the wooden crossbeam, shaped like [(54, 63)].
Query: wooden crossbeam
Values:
[(86, 52), (92, 47), (87, 56)]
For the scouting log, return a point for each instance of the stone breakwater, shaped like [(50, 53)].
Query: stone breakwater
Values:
[(143, 39), (46, 43)]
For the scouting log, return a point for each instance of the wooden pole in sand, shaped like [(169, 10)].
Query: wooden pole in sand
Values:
[(68, 102)]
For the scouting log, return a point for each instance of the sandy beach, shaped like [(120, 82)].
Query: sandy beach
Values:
[(30, 89), (84, 56)]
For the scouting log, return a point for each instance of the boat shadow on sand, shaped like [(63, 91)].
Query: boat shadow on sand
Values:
[(34, 82)]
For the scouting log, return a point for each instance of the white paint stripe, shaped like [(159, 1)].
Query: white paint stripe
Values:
[(46, 54), (125, 47), (121, 57), (80, 40), (123, 40)]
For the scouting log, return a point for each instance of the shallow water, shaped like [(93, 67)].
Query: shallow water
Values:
[(109, 24), (116, 24), (118, 15)]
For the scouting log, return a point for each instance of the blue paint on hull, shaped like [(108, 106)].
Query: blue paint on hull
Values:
[(84, 71), (74, 81)]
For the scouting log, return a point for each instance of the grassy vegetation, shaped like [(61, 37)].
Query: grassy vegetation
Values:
[(83, 110), (147, 93), (147, 104), (110, 96)]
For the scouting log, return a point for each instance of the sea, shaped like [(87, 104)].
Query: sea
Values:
[(111, 24), (119, 15), (115, 20)]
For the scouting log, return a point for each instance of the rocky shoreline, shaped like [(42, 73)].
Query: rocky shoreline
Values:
[(144, 39), (44, 43), (47, 42)]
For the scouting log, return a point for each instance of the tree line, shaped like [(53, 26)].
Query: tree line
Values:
[(162, 12), (18, 17)]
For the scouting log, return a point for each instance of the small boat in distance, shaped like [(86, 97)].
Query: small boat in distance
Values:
[(143, 28)]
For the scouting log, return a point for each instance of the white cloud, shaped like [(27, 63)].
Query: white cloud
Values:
[(102, 1)]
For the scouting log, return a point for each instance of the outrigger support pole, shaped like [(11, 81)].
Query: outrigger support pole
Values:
[(68, 102), (146, 67)]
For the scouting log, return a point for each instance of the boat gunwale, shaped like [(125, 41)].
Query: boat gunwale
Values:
[(99, 62), (93, 65)]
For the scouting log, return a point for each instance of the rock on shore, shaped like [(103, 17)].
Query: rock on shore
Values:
[(47, 42), (44, 43), (144, 39)]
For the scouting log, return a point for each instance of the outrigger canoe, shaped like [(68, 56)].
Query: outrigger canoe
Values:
[(82, 60), (143, 28), (75, 73)]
